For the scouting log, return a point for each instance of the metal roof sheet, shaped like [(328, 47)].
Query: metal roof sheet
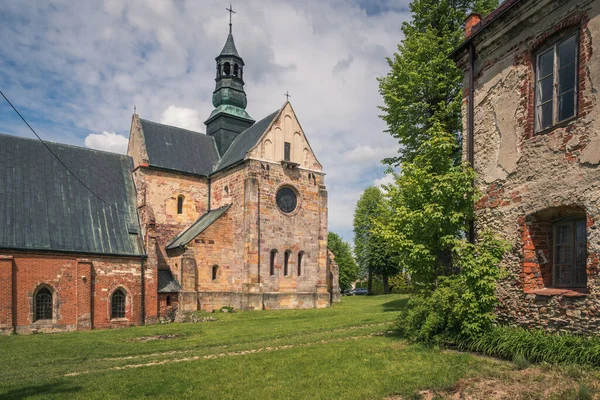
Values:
[(167, 282), (197, 227), (44, 207)]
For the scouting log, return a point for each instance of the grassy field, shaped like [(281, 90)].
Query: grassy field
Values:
[(347, 351)]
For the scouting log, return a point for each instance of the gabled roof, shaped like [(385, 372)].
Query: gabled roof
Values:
[(197, 227), (229, 48), (44, 207), (179, 149), (167, 282), (245, 141)]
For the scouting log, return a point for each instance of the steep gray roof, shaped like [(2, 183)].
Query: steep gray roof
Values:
[(245, 141), (229, 48), (197, 227), (179, 149), (167, 282), (43, 207)]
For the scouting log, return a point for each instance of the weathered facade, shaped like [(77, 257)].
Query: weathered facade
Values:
[(186, 221), (535, 145)]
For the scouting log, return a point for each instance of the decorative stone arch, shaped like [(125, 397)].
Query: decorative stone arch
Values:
[(54, 301), (298, 199)]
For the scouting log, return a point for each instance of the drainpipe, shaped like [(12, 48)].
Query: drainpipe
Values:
[(471, 126), (209, 193), (143, 293)]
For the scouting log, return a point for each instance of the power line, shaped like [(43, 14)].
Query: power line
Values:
[(58, 158)]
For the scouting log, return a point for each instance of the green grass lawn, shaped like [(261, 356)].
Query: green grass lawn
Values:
[(345, 351)]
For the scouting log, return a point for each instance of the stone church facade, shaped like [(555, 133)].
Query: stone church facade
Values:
[(531, 116), (189, 221)]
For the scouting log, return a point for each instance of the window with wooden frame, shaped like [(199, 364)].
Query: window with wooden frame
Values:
[(43, 304), (570, 253), (556, 83), (117, 304)]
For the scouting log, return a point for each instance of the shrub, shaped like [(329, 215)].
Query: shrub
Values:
[(400, 284), (462, 304), (536, 346)]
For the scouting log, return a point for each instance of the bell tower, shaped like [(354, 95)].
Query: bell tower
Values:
[(229, 118)]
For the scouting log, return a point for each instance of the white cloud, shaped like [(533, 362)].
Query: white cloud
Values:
[(182, 117), (387, 179), (107, 141), (84, 74)]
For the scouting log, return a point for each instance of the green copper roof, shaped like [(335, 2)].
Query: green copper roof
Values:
[(229, 48), (230, 110)]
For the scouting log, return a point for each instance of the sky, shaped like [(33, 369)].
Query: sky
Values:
[(76, 69)]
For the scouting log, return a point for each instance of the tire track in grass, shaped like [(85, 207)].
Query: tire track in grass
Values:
[(228, 354)]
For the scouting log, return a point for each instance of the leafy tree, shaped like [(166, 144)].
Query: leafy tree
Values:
[(373, 253), (344, 260)]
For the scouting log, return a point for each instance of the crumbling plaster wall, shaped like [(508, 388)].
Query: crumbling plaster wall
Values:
[(521, 172)]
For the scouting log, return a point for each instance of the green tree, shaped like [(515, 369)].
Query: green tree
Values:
[(374, 255), (344, 259)]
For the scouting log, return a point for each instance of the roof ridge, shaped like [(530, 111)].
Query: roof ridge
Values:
[(173, 126)]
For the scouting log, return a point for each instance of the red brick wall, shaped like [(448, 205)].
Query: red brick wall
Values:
[(163, 308), (81, 290)]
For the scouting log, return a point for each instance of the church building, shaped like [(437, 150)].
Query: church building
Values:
[(185, 221)]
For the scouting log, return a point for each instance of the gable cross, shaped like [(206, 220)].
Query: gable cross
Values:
[(230, 9), (287, 95)]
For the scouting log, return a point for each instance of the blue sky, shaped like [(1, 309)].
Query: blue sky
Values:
[(75, 69)]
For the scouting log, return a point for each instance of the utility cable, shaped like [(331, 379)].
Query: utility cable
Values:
[(59, 160)]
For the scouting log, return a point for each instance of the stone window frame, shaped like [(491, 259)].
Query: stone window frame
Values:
[(54, 294), (298, 199), (127, 303), (180, 201), (548, 45), (286, 263), (272, 256), (572, 221), (301, 254), (215, 272)]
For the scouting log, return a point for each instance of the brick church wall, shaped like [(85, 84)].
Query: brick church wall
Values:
[(529, 180), (81, 290)]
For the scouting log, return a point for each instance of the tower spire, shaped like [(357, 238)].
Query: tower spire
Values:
[(230, 9)]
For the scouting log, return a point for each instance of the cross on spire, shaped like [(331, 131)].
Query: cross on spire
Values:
[(287, 95), (230, 9)]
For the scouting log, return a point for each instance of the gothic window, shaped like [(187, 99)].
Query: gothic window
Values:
[(300, 255), (556, 83), (286, 262), (286, 199), (287, 149), (180, 205), (215, 271), (43, 304), (272, 262), (570, 253), (235, 69), (227, 68), (117, 304)]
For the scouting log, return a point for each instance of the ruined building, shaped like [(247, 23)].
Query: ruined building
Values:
[(532, 122), (234, 217)]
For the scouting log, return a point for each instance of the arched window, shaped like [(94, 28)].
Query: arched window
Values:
[(227, 68), (168, 301), (43, 304), (180, 205), (286, 261), (215, 271), (218, 70), (300, 255), (117, 304), (235, 69), (272, 265)]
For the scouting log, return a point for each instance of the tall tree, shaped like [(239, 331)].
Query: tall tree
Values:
[(344, 259), (432, 197), (373, 254)]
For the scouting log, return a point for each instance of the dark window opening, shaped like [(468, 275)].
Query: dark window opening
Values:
[(570, 253), (272, 263), (300, 255), (218, 70), (287, 150), (227, 68), (180, 205), (235, 69), (215, 271), (286, 262), (168, 301), (43, 304), (556, 80), (117, 302)]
